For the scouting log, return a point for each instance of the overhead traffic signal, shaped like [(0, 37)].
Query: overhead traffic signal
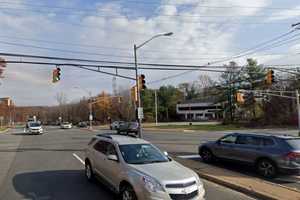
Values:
[(240, 97), (142, 82), (2, 66), (56, 75), (270, 79), (133, 94)]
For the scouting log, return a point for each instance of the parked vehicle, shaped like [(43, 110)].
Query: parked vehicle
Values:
[(82, 125), (128, 127), (138, 170), (115, 125), (34, 128), (66, 125), (270, 154)]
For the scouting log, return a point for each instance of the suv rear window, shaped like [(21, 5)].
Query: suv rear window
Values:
[(294, 143), (101, 146), (92, 140)]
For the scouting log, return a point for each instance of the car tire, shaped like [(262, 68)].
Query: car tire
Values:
[(127, 193), (89, 172), (266, 168), (206, 155)]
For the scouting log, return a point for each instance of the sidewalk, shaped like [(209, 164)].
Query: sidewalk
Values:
[(249, 185)]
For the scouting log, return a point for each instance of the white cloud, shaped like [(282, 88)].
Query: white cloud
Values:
[(189, 44), (285, 14)]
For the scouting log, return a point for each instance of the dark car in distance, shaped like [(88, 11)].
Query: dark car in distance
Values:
[(270, 154), (82, 125), (128, 127)]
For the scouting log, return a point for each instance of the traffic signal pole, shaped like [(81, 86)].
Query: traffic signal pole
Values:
[(140, 134)]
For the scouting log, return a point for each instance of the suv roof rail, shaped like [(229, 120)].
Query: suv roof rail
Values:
[(105, 135), (108, 135)]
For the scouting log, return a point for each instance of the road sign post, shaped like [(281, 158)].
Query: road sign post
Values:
[(140, 113), (1, 121)]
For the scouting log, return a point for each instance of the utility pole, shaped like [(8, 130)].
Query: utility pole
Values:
[(298, 109), (155, 94)]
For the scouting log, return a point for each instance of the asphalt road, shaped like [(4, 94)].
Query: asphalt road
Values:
[(43, 167)]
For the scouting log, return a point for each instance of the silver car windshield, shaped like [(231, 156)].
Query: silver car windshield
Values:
[(34, 124), (142, 154)]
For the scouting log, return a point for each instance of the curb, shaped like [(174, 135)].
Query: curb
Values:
[(5, 131), (248, 190), (244, 190)]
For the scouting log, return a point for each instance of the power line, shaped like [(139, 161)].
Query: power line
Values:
[(111, 55), (105, 62), (63, 50), (243, 53)]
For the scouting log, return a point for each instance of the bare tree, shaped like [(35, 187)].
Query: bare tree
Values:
[(61, 98)]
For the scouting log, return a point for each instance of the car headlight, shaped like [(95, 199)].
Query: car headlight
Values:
[(152, 185), (199, 182)]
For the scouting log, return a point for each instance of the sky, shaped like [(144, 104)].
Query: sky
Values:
[(204, 31)]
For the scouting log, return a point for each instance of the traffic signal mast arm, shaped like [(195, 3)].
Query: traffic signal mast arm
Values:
[(271, 93)]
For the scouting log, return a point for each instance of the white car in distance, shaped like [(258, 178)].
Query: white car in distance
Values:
[(35, 128), (66, 125)]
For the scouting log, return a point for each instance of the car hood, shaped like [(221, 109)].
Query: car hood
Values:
[(165, 172)]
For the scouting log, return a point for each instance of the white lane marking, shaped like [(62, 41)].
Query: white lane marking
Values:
[(189, 131), (78, 158), (189, 156)]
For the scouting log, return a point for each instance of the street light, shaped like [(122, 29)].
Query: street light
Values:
[(139, 108), (90, 105)]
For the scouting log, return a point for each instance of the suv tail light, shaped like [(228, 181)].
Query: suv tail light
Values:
[(292, 155)]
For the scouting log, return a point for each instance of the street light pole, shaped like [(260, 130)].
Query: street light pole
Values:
[(90, 106), (156, 121), (139, 108), (138, 92), (298, 110), (91, 112)]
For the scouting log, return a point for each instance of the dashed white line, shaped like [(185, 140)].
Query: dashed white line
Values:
[(78, 158), (189, 156)]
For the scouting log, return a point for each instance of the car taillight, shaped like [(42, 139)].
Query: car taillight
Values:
[(292, 155)]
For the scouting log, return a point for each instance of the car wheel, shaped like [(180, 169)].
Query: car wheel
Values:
[(89, 172), (266, 168), (206, 155), (128, 193)]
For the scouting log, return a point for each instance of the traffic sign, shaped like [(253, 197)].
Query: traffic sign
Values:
[(140, 113), (91, 117)]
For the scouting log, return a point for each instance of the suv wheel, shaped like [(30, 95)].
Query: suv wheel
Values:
[(266, 168), (89, 172), (128, 193), (206, 155)]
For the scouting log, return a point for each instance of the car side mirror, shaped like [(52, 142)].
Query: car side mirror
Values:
[(166, 154), (112, 157)]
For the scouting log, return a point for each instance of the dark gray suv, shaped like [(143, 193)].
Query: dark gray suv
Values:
[(270, 154)]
